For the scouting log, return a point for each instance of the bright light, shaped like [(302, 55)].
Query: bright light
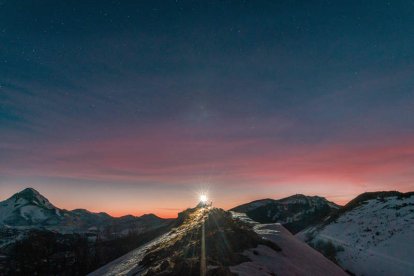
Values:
[(203, 198)]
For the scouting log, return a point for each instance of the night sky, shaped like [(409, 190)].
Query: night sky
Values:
[(138, 106)]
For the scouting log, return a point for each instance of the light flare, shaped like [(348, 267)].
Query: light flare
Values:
[(203, 198)]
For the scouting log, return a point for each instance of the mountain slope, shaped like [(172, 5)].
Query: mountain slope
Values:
[(232, 244), (295, 212), (296, 257), (371, 235)]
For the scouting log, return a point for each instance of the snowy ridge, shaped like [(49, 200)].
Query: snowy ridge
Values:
[(296, 257), (374, 237)]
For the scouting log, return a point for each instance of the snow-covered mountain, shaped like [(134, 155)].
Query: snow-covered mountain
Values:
[(210, 241), (29, 209), (294, 213), (371, 235)]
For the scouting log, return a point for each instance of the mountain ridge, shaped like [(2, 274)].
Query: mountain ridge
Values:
[(295, 212), (29, 209), (371, 235)]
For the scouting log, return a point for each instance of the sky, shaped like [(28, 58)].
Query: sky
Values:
[(134, 107)]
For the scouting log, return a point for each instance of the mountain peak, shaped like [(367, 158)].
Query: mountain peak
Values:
[(29, 191), (150, 216), (27, 208), (32, 196)]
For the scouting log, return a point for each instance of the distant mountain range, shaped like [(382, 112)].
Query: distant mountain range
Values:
[(29, 209), (295, 212)]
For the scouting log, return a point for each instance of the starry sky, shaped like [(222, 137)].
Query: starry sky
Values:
[(138, 106)]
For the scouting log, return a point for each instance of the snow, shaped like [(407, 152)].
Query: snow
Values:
[(28, 205), (6, 209), (377, 238), (33, 213), (296, 257)]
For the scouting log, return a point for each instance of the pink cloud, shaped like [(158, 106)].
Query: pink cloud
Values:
[(174, 155)]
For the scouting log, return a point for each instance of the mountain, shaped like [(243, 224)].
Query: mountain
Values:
[(371, 235), (295, 212), (28, 209), (211, 241), (37, 238)]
